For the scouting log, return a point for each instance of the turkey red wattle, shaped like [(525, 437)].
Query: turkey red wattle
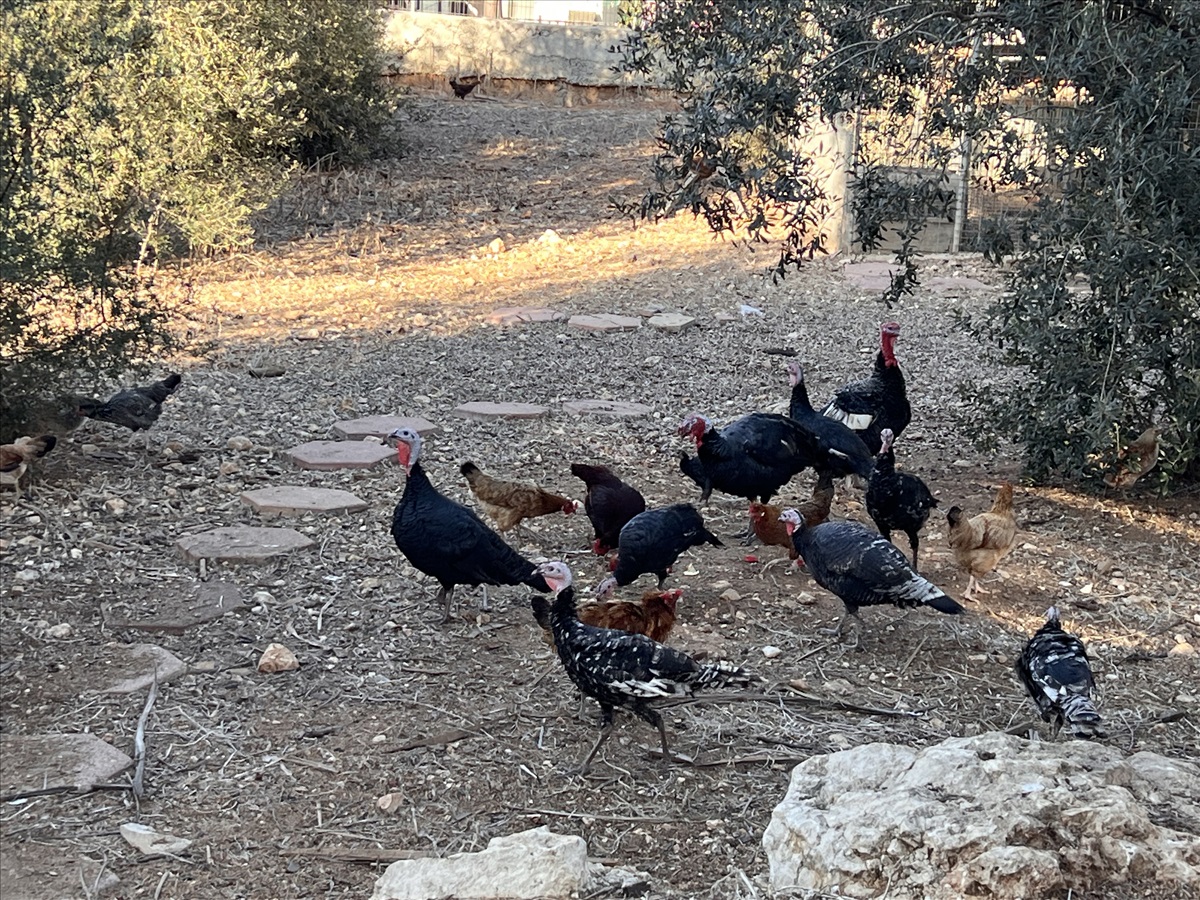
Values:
[(404, 456)]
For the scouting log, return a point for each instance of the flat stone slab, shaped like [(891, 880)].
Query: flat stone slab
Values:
[(483, 411), (950, 285), (617, 409), (134, 668), (79, 761), (606, 322), (870, 276), (381, 426), (206, 602), (242, 544), (671, 321), (519, 315), (330, 455), (292, 500), (37, 872)]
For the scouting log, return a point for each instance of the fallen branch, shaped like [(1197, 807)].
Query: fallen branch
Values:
[(446, 737), (62, 789), (798, 699), (139, 740), (751, 759), (599, 817), (349, 854)]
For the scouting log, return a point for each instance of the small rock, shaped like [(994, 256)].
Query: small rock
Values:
[(59, 632), (725, 318), (771, 652), (311, 334), (1183, 648), (277, 658), (729, 595), (721, 585), (239, 442), (496, 246), (549, 236), (747, 310), (266, 371), (961, 464), (151, 842), (262, 598), (229, 467), (116, 506), (390, 802)]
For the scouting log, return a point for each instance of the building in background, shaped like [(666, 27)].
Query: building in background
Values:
[(572, 12)]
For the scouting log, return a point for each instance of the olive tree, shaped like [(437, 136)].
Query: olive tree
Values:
[(1089, 107)]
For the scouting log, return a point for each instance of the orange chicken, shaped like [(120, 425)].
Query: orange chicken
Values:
[(980, 542), (510, 502)]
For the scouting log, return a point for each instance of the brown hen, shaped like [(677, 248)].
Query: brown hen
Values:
[(764, 518), (980, 542), (653, 615), (510, 502), (16, 457), (1136, 460)]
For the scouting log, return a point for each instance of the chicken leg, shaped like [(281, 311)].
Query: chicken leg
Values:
[(850, 616), (446, 597), (606, 727)]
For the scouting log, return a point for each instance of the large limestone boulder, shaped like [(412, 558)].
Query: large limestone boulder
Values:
[(989, 816), (533, 864)]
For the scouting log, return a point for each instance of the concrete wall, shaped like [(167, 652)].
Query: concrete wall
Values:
[(425, 44)]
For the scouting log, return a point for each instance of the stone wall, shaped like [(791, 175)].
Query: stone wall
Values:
[(427, 44)]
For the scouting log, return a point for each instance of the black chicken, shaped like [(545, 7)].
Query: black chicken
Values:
[(862, 568), (609, 504), (1054, 668), (617, 668), (844, 453), (134, 408), (897, 500), (447, 541), (878, 402), (752, 457), (463, 86), (652, 541)]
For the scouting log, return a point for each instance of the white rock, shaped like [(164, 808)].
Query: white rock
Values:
[(115, 506), (771, 652), (59, 632), (150, 842), (277, 658), (549, 236), (958, 819), (239, 442), (525, 866)]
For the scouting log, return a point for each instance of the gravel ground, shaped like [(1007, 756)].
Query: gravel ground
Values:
[(370, 288)]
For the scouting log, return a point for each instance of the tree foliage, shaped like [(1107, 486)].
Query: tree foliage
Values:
[(132, 130), (1091, 107)]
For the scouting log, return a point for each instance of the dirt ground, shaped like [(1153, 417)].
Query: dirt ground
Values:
[(370, 288)]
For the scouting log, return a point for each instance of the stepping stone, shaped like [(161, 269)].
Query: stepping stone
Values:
[(290, 500), (870, 276), (606, 322), (617, 409), (650, 309), (484, 411), (671, 321), (516, 315), (36, 872), (242, 544), (207, 602), (330, 455), (381, 427), (943, 285), (79, 761), (133, 668)]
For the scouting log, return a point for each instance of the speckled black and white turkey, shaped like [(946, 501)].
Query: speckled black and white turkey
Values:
[(862, 568), (1054, 668), (617, 668)]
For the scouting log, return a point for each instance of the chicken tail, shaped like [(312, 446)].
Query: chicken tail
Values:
[(161, 390), (1004, 500)]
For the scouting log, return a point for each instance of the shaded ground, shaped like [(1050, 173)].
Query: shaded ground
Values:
[(370, 289)]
